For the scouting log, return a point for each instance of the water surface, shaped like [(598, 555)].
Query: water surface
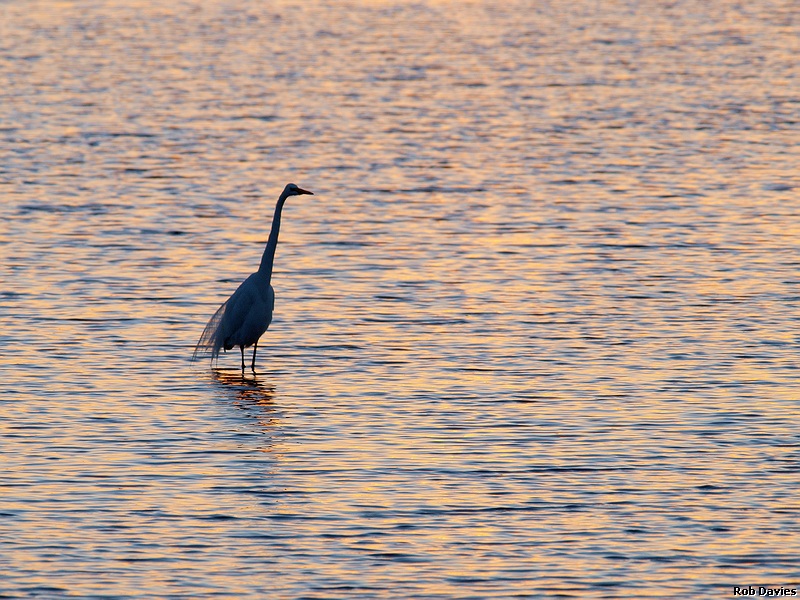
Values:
[(535, 334)]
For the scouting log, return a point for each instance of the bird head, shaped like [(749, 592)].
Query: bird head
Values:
[(292, 190)]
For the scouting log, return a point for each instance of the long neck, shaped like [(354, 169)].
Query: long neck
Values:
[(272, 243)]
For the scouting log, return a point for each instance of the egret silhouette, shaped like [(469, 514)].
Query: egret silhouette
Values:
[(245, 316)]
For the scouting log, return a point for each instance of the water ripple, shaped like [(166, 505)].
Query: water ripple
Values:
[(534, 334)]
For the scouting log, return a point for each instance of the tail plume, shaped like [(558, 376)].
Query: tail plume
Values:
[(211, 341)]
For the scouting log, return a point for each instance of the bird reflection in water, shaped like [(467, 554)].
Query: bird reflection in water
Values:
[(249, 394)]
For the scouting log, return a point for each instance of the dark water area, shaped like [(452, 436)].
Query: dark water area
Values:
[(536, 333)]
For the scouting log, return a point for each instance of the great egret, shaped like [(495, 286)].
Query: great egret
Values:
[(245, 316)]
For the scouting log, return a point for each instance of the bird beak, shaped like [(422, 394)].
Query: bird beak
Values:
[(302, 191)]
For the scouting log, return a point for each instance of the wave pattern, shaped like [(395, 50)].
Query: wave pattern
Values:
[(535, 335)]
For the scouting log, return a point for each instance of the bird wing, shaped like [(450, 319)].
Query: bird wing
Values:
[(247, 315), (240, 320), (210, 341)]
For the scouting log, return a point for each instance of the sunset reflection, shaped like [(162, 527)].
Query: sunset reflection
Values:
[(247, 388), (535, 334)]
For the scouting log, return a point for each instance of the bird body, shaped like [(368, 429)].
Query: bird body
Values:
[(248, 312), (246, 315)]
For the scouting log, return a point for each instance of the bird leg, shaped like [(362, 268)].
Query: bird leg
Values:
[(242, 349), (253, 365)]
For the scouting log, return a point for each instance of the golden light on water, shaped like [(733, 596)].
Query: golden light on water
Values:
[(535, 333)]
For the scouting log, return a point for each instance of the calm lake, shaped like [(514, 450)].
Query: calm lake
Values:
[(535, 335)]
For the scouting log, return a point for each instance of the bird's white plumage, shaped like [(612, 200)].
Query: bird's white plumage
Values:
[(246, 315)]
